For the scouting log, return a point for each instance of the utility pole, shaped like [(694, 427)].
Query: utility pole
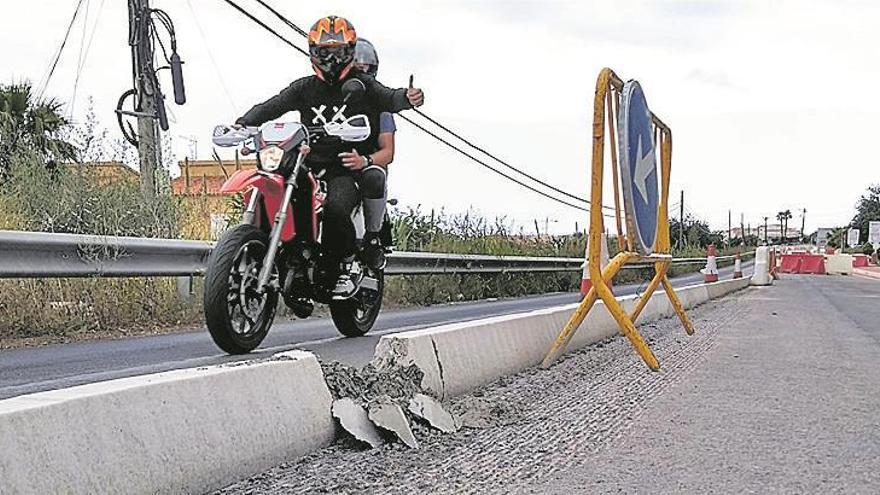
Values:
[(729, 229), (681, 221), (149, 103), (149, 140), (765, 231), (742, 227)]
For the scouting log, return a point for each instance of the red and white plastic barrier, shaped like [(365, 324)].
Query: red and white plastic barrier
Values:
[(604, 259), (710, 273)]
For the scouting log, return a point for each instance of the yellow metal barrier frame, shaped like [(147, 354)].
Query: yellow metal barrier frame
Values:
[(608, 88)]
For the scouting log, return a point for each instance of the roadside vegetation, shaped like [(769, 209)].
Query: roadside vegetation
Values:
[(867, 210), (49, 182)]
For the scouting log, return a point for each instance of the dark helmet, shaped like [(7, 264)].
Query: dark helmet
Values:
[(365, 57), (332, 43)]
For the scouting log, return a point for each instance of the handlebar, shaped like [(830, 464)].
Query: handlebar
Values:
[(352, 129)]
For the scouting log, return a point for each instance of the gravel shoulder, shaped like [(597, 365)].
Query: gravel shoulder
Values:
[(775, 392)]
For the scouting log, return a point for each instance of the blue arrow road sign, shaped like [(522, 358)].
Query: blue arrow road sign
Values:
[(638, 167)]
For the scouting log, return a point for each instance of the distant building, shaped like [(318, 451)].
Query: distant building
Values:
[(206, 176), (107, 172), (208, 210), (774, 232)]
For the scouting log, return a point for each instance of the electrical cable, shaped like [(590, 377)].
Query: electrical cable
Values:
[(502, 162), (493, 169), (285, 20), (265, 26), (54, 65), (82, 46), (217, 70), (422, 128), (447, 129)]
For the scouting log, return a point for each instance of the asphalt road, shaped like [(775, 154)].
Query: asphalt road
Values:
[(29, 370), (776, 392)]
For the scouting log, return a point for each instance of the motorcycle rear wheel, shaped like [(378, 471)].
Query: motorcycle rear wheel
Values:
[(238, 317), (356, 316)]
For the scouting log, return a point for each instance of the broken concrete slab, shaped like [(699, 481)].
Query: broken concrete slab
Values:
[(354, 418), (430, 409), (373, 381), (390, 416)]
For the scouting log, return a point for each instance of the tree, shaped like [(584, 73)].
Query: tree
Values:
[(783, 217), (31, 123), (867, 210)]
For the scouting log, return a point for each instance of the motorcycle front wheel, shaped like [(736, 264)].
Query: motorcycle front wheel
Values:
[(356, 316), (237, 315)]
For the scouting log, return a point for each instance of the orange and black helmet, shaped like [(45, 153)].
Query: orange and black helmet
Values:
[(332, 43)]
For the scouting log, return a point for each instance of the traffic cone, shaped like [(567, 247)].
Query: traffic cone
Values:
[(711, 271), (737, 267), (586, 283)]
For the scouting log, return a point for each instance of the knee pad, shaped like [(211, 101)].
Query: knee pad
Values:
[(373, 182)]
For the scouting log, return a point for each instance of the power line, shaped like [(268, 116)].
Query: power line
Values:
[(493, 169), (420, 127), (54, 64), (84, 56), (502, 162), (285, 20), (82, 46), (265, 26), (229, 97), (445, 128)]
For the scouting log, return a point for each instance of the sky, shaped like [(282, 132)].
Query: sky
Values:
[(772, 103)]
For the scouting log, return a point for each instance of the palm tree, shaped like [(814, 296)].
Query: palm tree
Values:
[(28, 122), (781, 218)]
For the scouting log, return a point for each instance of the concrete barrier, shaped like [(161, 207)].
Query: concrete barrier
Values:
[(459, 357), (182, 431), (839, 264)]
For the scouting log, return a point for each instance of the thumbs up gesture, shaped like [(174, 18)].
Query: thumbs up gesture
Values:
[(415, 96)]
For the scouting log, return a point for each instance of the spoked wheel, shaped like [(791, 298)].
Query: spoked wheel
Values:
[(237, 315), (356, 316)]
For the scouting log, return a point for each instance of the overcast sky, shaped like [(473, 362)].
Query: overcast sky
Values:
[(773, 104)]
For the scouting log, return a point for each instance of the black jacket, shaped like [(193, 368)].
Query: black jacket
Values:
[(311, 96)]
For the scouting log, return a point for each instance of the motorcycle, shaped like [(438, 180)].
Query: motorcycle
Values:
[(277, 249)]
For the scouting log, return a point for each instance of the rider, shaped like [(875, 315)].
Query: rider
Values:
[(373, 182), (319, 100)]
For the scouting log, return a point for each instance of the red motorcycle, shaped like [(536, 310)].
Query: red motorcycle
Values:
[(277, 249)]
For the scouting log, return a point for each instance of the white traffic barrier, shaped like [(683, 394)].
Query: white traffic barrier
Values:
[(459, 357), (839, 264), (604, 259), (761, 275), (182, 431)]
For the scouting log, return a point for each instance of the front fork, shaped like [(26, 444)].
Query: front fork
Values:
[(250, 213), (280, 219)]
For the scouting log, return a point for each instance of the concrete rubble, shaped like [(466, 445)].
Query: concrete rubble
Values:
[(383, 394), (429, 409), (390, 416), (353, 417)]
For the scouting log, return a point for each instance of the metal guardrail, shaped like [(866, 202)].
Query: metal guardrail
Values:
[(47, 255), (406, 263), (44, 255)]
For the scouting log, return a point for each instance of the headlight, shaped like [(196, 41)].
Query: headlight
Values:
[(270, 158)]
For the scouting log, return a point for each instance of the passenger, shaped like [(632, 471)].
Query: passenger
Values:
[(373, 180)]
